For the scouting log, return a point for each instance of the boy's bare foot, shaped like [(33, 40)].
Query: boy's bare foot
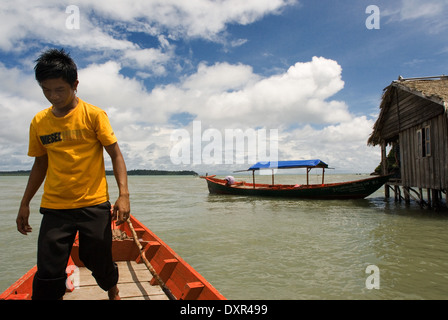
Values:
[(113, 293)]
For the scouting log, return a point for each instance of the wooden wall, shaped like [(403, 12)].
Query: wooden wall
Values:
[(425, 171), (406, 114)]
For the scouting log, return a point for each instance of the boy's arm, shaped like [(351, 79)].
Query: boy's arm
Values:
[(37, 176), (122, 206)]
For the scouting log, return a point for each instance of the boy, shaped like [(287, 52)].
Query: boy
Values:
[(67, 142)]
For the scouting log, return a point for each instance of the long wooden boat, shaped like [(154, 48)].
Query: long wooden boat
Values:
[(358, 189), (174, 279)]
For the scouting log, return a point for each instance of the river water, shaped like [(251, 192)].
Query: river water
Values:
[(258, 248)]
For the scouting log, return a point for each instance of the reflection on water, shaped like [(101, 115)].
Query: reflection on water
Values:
[(258, 248)]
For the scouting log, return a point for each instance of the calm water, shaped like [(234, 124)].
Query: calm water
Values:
[(254, 248)]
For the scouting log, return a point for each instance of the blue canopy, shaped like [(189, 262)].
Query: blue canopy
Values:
[(316, 163)]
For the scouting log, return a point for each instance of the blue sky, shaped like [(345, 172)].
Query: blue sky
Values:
[(311, 70)]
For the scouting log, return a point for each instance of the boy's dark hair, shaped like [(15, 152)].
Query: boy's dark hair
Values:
[(55, 63)]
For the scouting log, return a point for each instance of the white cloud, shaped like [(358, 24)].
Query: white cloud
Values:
[(104, 25), (16, 116), (221, 96), (22, 22), (224, 96), (122, 97), (153, 59), (219, 78), (194, 18), (298, 95), (343, 146), (14, 82), (414, 9), (431, 14)]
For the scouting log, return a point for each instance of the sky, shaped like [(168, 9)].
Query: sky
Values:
[(214, 86)]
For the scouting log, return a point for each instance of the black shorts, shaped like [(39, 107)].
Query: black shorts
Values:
[(57, 233)]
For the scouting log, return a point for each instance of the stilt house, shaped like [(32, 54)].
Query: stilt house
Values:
[(413, 120)]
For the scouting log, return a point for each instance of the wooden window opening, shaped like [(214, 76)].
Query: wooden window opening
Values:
[(424, 142), (427, 138)]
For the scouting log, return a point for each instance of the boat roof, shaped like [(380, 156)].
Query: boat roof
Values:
[(315, 163)]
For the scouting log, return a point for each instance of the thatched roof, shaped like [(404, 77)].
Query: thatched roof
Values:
[(434, 89)]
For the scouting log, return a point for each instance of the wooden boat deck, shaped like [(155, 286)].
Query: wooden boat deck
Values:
[(134, 284)]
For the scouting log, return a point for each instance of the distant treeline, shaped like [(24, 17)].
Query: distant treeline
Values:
[(15, 173), (143, 172), (139, 172)]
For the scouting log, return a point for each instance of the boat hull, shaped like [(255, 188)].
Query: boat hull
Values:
[(345, 190), (180, 278)]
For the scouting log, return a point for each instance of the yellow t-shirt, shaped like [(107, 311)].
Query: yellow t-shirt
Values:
[(74, 144)]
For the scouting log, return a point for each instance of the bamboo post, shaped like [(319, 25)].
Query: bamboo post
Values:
[(148, 265), (253, 178)]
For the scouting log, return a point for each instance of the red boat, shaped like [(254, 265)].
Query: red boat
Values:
[(149, 270), (358, 189)]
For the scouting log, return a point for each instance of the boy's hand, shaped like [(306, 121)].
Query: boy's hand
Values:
[(22, 220), (121, 210)]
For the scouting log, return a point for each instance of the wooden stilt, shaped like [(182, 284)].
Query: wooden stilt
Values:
[(384, 168), (397, 193), (418, 199), (435, 198), (407, 198)]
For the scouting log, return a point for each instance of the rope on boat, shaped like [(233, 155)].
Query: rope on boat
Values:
[(117, 234), (148, 265)]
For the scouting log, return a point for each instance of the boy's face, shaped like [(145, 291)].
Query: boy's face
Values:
[(59, 92)]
